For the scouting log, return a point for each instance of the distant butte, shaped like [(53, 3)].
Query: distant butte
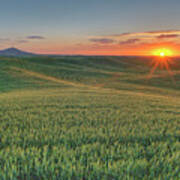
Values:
[(15, 52)]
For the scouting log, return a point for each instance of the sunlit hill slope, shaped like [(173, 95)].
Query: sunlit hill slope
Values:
[(80, 117)]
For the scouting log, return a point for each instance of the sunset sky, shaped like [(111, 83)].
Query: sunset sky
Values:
[(91, 27)]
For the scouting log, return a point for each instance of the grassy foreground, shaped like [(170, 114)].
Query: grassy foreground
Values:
[(88, 118)]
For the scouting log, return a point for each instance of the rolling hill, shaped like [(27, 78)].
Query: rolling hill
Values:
[(88, 118)]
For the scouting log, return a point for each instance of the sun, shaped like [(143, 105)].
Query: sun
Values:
[(163, 60), (163, 52)]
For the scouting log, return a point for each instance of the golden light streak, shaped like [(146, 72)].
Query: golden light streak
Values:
[(162, 61)]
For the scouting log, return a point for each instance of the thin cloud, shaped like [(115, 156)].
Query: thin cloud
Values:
[(122, 34), (146, 34), (12, 41), (137, 38), (165, 36), (162, 31), (129, 41), (4, 39), (35, 37), (22, 41), (102, 40)]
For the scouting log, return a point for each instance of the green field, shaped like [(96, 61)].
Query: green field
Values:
[(88, 118)]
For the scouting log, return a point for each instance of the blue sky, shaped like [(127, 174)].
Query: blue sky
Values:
[(66, 23)]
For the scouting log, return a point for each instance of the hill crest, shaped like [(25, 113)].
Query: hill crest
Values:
[(14, 52)]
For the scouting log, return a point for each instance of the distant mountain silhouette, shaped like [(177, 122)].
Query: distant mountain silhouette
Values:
[(14, 52)]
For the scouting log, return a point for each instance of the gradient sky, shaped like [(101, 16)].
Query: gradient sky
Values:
[(109, 27)]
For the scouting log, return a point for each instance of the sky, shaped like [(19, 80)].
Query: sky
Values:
[(90, 27)]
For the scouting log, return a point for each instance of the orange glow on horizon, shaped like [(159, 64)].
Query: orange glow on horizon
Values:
[(85, 48), (163, 52)]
